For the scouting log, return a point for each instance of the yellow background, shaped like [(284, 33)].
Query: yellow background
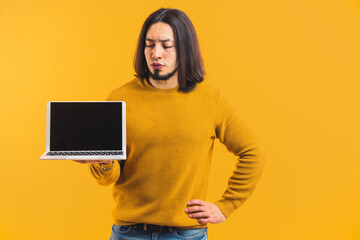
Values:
[(292, 68)]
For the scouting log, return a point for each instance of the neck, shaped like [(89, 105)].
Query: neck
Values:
[(165, 84)]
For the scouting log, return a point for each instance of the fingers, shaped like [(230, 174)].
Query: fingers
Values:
[(199, 215), (203, 220), (196, 202), (100, 161), (92, 161), (81, 161), (195, 209), (204, 212)]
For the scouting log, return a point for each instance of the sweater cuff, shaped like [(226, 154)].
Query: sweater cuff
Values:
[(226, 206), (106, 165)]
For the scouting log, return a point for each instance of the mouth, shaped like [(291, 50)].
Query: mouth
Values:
[(157, 65)]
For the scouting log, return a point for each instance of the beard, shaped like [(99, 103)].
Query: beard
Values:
[(156, 75)]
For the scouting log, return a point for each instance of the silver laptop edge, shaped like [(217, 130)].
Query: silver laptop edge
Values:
[(85, 157)]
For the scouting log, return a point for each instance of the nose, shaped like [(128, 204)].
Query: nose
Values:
[(157, 51)]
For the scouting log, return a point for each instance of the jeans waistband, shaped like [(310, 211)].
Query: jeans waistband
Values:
[(153, 228)]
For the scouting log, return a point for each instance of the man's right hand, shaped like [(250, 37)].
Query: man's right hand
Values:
[(93, 161)]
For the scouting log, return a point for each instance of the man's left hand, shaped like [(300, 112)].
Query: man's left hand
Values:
[(204, 212)]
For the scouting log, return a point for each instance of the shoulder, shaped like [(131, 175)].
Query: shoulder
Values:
[(218, 98), (207, 90), (126, 89), (214, 91), (213, 94)]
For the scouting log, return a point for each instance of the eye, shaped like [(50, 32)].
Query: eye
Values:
[(168, 46), (150, 46)]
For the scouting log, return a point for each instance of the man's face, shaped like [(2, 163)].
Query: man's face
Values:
[(160, 52)]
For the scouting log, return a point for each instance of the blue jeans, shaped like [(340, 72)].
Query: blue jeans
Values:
[(131, 233)]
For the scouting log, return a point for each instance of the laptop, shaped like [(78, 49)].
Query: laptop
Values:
[(85, 131)]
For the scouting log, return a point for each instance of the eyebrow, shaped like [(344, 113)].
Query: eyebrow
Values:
[(165, 40)]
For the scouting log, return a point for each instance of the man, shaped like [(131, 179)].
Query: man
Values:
[(173, 119)]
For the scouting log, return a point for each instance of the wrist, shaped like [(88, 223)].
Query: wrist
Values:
[(106, 166)]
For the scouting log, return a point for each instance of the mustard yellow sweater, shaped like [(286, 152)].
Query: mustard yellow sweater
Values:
[(170, 139)]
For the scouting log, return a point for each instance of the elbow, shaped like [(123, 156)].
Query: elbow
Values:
[(253, 158)]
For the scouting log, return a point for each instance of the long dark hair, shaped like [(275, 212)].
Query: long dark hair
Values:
[(190, 64)]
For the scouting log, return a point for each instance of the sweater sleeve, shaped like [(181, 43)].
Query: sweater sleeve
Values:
[(103, 177), (239, 138)]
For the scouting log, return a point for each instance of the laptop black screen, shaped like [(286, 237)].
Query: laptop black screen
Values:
[(85, 126)]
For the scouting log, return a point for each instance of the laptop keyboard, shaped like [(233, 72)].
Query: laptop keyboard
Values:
[(82, 153)]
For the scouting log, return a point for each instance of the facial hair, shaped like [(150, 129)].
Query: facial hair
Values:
[(156, 75)]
